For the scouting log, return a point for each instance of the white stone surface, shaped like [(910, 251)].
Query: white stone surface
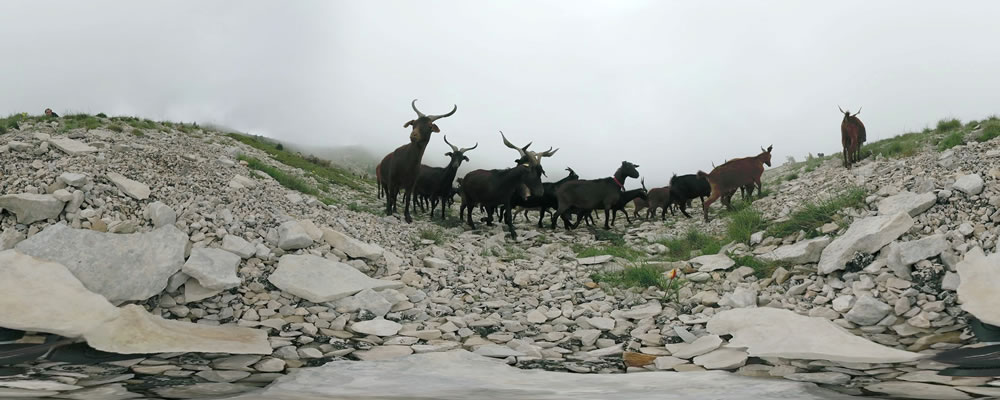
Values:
[(866, 235), (977, 291), (803, 252), (319, 280), (71, 147), (700, 346), (213, 268), (911, 203), (712, 262), (135, 189), (30, 207), (352, 247)]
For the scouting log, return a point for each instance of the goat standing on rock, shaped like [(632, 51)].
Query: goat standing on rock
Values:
[(400, 168), (733, 175), (593, 194), (852, 136)]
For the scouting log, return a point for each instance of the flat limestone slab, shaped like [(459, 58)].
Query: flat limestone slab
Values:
[(867, 236), (980, 276), (458, 374), (772, 332), (319, 279), (71, 147)]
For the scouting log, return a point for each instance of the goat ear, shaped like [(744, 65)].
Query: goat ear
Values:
[(434, 128), (465, 158), (408, 123), (448, 154)]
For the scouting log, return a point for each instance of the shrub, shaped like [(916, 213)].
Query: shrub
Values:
[(814, 215), (945, 125), (953, 139), (990, 131)]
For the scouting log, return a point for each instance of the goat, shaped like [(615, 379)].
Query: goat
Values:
[(659, 198), (852, 136), (383, 185), (685, 188), (548, 199), (404, 164), (639, 204), (434, 183), (627, 197), (494, 188), (533, 160), (593, 194), (733, 175)]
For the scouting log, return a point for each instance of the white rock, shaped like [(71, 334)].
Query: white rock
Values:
[(30, 207), (241, 182), (167, 336), (594, 260), (739, 298), (915, 390), (826, 378), (866, 235), (10, 237), (803, 252), (319, 280), (977, 291), (161, 214), (134, 189), (377, 327), (291, 236), (712, 262), (902, 255), (70, 146), (772, 332), (700, 346), (723, 358), (120, 267), (239, 246), (969, 184), (602, 323), (194, 291), (650, 309), (352, 247), (911, 203), (213, 268), (668, 362), (383, 353), (497, 351), (843, 303), (37, 385), (373, 302), (270, 364), (435, 263), (867, 310), (222, 376)]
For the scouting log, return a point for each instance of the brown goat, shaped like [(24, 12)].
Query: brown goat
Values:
[(659, 198), (639, 204), (733, 175), (404, 163), (852, 136)]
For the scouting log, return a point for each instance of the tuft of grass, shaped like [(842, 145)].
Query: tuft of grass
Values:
[(953, 139), (640, 275), (435, 235), (137, 132), (814, 215), (101, 115), (990, 131), (946, 125), (761, 269), (680, 248), (323, 170), (512, 252), (285, 179), (616, 250), (359, 207), (11, 122), (792, 176), (116, 127), (904, 145), (743, 223), (812, 163)]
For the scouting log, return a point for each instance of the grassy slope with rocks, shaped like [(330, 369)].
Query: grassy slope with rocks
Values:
[(531, 295)]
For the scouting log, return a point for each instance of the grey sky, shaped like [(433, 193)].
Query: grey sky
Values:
[(672, 86)]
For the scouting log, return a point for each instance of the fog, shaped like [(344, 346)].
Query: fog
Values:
[(671, 86)]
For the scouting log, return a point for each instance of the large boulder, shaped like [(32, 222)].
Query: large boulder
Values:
[(909, 202), (977, 290), (352, 247), (292, 236), (803, 252), (213, 268), (866, 235), (902, 255), (712, 262), (774, 332), (319, 280), (969, 184), (160, 335), (134, 189), (121, 267), (71, 147), (31, 207)]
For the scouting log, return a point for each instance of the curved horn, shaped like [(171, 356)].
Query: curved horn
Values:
[(436, 117), (414, 105), (453, 148), (643, 182), (547, 153), (841, 109), (859, 112), (511, 145), (468, 148)]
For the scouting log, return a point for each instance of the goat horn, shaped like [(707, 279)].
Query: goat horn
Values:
[(511, 145), (469, 148), (414, 105), (436, 117), (841, 109), (859, 112), (453, 148), (548, 153)]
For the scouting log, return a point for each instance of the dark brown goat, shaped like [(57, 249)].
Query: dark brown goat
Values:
[(593, 194), (639, 204), (434, 183), (659, 198), (383, 185), (404, 164), (733, 175), (852, 136)]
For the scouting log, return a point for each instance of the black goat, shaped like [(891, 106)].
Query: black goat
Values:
[(684, 188), (494, 188), (434, 183), (627, 197), (548, 199), (593, 194)]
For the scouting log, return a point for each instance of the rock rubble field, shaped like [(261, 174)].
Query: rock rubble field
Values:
[(208, 278)]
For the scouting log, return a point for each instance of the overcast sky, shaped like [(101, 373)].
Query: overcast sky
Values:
[(671, 86)]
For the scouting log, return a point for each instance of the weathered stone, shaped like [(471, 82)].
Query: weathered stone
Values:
[(10, 237), (71, 147), (352, 247), (319, 280), (668, 362), (291, 236), (194, 291), (222, 376), (911, 203), (73, 179), (165, 336), (30, 207), (915, 390), (213, 268), (497, 351), (803, 252), (826, 378), (978, 287), (161, 214), (772, 332), (867, 236), (120, 267), (436, 263), (201, 390), (969, 184), (700, 346), (377, 327), (594, 260), (723, 358), (650, 309), (237, 245), (134, 189), (739, 298), (712, 262), (867, 310), (902, 255), (383, 353)]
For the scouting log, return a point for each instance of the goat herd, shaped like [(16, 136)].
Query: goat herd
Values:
[(521, 186)]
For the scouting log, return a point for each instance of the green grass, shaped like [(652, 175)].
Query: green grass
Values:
[(616, 250), (814, 215), (287, 180), (761, 269), (953, 139), (137, 132), (743, 222), (904, 145), (512, 252), (990, 130), (359, 207), (946, 125), (101, 115), (11, 122), (116, 128), (792, 176), (680, 248), (641, 275), (321, 169), (435, 235)]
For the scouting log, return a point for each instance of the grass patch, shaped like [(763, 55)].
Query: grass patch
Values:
[(761, 269), (287, 180), (814, 215), (11, 122), (512, 252), (792, 176), (946, 125), (990, 131), (101, 115), (116, 128), (641, 275), (904, 145), (743, 223), (680, 248), (435, 235), (323, 170), (360, 207), (953, 139), (137, 132)]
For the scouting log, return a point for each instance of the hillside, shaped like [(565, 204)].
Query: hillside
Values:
[(266, 262)]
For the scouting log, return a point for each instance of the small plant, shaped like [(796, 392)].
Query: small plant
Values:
[(435, 235), (11, 122), (953, 139), (792, 176), (681, 248), (116, 128), (761, 269), (814, 215), (673, 287), (622, 251), (101, 115), (641, 275), (285, 179), (743, 223), (946, 125), (512, 252), (279, 147), (990, 131), (137, 132)]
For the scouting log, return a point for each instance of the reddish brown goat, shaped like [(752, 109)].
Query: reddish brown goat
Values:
[(404, 163), (852, 136), (733, 175)]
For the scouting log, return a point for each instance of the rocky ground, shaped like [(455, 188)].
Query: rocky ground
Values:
[(184, 230)]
